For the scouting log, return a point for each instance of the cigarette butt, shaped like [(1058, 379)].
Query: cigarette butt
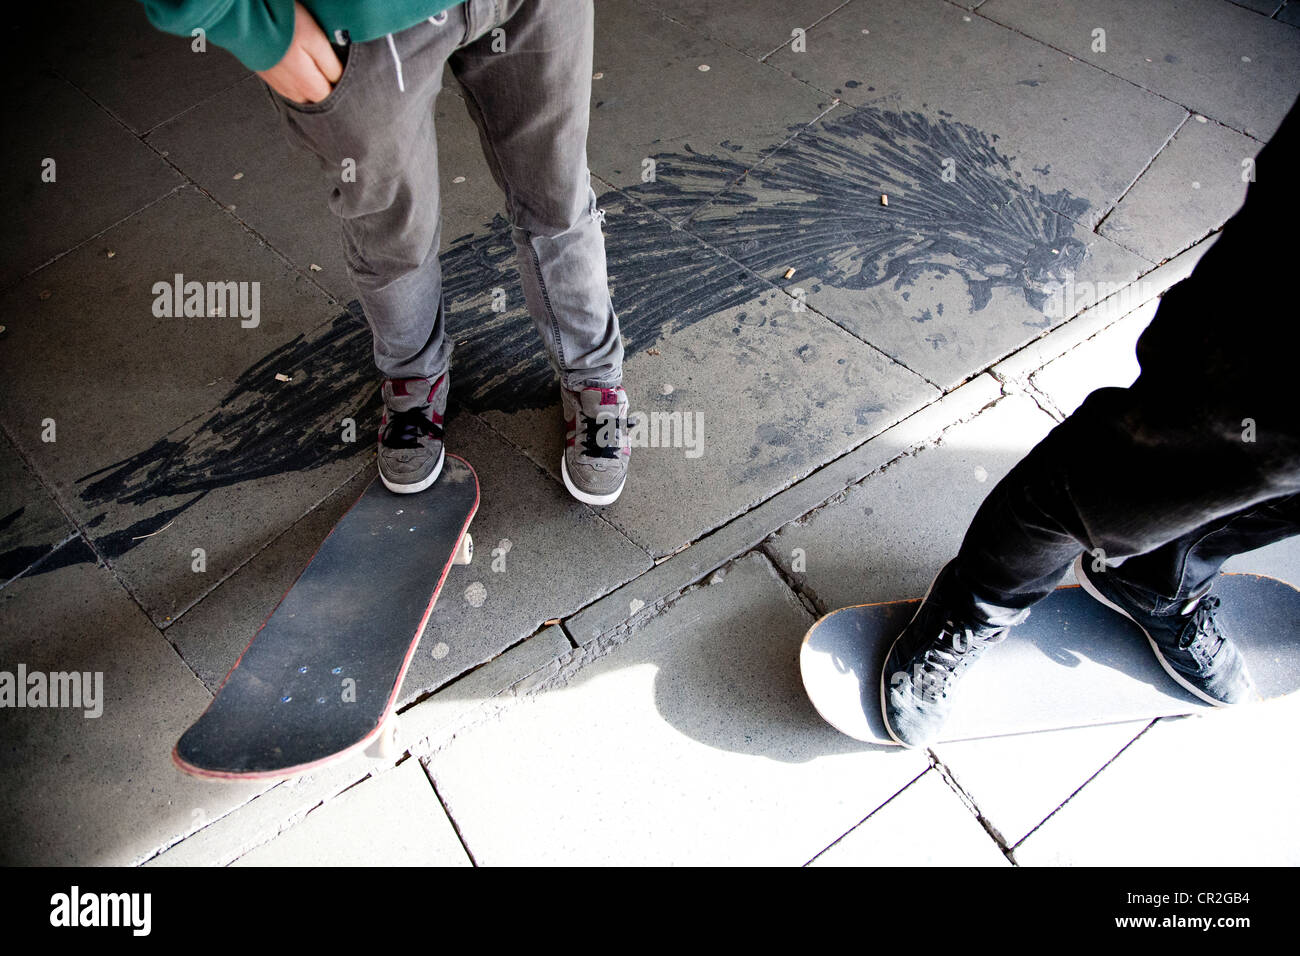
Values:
[(238, 176), (552, 621), (314, 267), (789, 273), (884, 199), (281, 377)]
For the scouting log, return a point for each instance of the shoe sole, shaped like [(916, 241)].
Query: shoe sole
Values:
[(1082, 577), (413, 487), (586, 497), (884, 716)]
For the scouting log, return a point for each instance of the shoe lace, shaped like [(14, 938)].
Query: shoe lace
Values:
[(953, 650), (1202, 624), (612, 426), (404, 429)]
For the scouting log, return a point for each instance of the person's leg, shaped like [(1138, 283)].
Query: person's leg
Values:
[(376, 146), (1166, 579), (375, 142), (527, 83), (528, 89), (1206, 433)]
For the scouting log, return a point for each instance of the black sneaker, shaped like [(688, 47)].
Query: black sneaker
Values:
[(923, 666), (1189, 644), (410, 433)]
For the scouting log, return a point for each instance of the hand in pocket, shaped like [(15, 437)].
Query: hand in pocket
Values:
[(309, 68)]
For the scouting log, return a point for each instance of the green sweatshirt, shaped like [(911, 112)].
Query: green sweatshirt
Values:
[(259, 31)]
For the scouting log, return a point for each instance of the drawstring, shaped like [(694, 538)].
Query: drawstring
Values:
[(438, 20), (397, 63)]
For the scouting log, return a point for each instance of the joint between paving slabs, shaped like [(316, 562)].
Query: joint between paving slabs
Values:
[(1075, 792), (969, 803), (892, 797)]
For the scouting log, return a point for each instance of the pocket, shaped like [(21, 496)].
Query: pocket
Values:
[(353, 53)]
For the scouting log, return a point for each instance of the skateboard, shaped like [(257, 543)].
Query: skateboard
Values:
[(1072, 663), (319, 681)]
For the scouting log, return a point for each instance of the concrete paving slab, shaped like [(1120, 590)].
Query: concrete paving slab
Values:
[(691, 743), (1148, 808), (95, 790), (754, 27), (138, 73), (1114, 304), (1214, 58), (282, 192), (101, 173), (1194, 186), (889, 535), (31, 524), (925, 825), (280, 807), (1017, 782), (769, 395), (1290, 14), (187, 411), (946, 278), (646, 594), (1076, 134), (1107, 359), (393, 820), (668, 92)]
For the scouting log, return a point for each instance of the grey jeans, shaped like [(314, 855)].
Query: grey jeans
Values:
[(530, 97)]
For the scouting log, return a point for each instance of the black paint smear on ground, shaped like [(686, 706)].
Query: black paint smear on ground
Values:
[(813, 206), (816, 206)]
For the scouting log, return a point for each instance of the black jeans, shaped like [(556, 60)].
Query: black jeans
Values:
[(1197, 461)]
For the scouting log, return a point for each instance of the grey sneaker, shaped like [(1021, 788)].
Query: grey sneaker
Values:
[(925, 664), (410, 434), (1190, 644), (596, 444)]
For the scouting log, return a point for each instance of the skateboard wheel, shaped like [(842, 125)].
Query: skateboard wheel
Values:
[(387, 745), (465, 552)]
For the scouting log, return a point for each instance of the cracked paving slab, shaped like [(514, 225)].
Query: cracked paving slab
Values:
[(1192, 188)]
